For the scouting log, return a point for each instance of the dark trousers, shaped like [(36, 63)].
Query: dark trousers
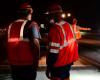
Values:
[(23, 72), (61, 72)]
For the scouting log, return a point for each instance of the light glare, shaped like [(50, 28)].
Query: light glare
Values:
[(68, 14), (63, 15)]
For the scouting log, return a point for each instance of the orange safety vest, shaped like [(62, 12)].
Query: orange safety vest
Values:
[(62, 41), (76, 31), (19, 51)]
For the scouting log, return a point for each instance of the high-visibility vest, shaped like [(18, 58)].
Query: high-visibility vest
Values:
[(19, 50), (76, 31), (63, 43)]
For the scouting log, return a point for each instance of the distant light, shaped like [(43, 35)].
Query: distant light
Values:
[(69, 14), (63, 15), (42, 26), (46, 13)]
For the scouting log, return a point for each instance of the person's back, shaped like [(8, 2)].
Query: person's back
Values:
[(64, 36), (19, 42), (23, 45), (63, 48)]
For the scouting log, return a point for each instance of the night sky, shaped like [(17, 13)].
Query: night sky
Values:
[(86, 11)]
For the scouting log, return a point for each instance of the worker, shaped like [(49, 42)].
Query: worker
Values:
[(77, 29), (23, 45), (62, 46)]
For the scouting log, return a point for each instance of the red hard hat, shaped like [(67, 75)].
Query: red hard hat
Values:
[(55, 8), (24, 6), (27, 7)]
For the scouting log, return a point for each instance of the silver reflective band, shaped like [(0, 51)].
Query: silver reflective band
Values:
[(54, 50), (22, 29), (21, 33), (17, 40), (9, 28), (54, 44), (65, 41), (64, 45), (71, 40), (60, 25)]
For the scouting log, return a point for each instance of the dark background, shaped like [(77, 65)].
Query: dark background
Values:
[(86, 11)]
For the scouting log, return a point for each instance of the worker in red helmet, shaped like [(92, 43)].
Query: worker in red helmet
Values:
[(23, 45), (63, 47), (25, 10)]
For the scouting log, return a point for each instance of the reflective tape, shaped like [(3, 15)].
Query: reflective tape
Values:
[(54, 50), (65, 41), (64, 45), (9, 28), (21, 33), (22, 29), (17, 40), (54, 44), (71, 40)]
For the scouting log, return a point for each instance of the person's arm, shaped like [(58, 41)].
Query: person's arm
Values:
[(36, 35), (53, 51), (35, 41), (54, 46)]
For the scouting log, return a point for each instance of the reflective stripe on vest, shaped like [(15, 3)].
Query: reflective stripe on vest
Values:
[(21, 33), (54, 50), (57, 45), (72, 31), (65, 41)]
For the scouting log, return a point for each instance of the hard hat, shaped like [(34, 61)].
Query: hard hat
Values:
[(55, 8), (25, 7)]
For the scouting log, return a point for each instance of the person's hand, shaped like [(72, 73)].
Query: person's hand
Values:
[(48, 74)]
